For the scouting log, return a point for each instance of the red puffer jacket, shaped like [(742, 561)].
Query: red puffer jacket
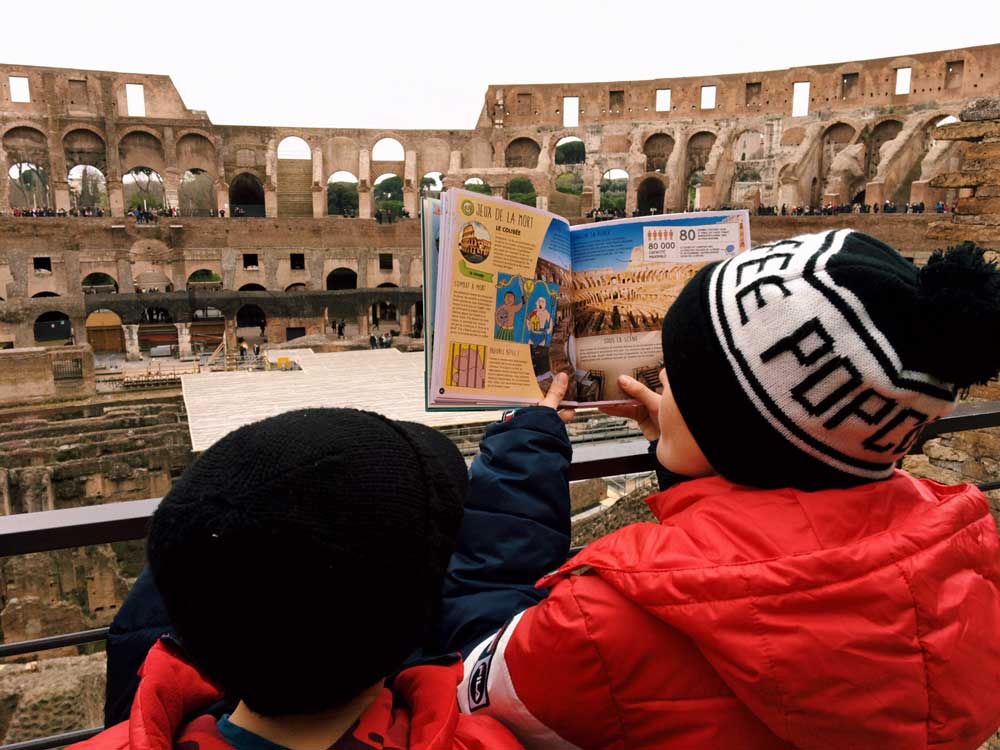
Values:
[(419, 711), (866, 618)]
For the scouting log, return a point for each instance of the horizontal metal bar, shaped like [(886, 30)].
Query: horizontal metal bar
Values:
[(967, 416), (53, 641), (22, 533), (54, 740), (114, 522)]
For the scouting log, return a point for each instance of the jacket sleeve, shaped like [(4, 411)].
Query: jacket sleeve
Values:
[(516, 527), (137, 626)]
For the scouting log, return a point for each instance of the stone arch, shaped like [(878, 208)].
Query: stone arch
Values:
[(53, 326), (292, 147), (28, 167), (477, 154), (879, 133), (142, 188), (569, 149), (522, 153), (521, 189), (104, 331), (650, 196), (141, 147), (342, 194), (99, 283), (196, 152), (88, 189), (699, 148), (42, 295), (204, 278), (387, 192), (341, 278), (614, 189), (251, 321), (657, 149), (252, 288), (298, 286), (388, 148), (246, 195), (85, 146), (432, 184), (196, 193)]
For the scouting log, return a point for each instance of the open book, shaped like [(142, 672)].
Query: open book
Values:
[(514, 295)]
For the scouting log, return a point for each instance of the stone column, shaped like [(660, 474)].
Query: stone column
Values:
[(410, 201), (183, 339), (4, 183), (171, 187), (230, 334), (405, 324), (132, 353), (410, 180), (116, 198), (454, 161), (363, 323), (364, 203), (319, 184)]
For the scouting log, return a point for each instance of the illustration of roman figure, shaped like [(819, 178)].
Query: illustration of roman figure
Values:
[(504, 317), (539, 323)]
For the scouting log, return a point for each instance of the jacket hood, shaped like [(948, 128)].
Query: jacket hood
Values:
[(870, 611), (419, 712)]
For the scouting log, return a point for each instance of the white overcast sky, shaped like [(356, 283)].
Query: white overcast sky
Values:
[(427, 64)]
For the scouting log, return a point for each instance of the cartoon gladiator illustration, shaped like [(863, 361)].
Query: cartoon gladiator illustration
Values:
[(505, 317)]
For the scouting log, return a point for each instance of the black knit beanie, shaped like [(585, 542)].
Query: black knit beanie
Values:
[(301, 558), (814, 362)]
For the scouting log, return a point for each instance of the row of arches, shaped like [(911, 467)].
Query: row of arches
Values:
[(141, 158)]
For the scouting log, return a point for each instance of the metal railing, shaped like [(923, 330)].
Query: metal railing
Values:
[(45, 531)]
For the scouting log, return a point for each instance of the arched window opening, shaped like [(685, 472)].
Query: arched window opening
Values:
[(477, 185), (142, 189), (29, 187), (341, 278), (41, 295), (649, 197), (204, 278), (252, 288), (614, 188), (388, 193), (251, 323), (104, 332), (657, 150), (388, 149), (570, 150), (522, 153), (246, 196), (196, 195), (99, 283), (88, 191), (521, 190), (342, 194), (53, 327), (431, 184), (294, 147)]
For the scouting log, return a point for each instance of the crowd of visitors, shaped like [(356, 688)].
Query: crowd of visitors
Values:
[(828, 209), (388, 216), (382, 341), (38, 213)]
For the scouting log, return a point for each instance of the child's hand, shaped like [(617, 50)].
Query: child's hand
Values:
[(557, 392), (646, 412)]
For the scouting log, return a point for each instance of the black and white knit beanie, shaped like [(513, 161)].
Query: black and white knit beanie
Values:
[(301, 558), (815, 361)]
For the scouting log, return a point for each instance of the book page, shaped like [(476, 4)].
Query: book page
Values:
[(503, 308), (626, 274), (430, 231)]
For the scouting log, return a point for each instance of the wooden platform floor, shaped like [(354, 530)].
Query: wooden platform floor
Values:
[(384, 380)]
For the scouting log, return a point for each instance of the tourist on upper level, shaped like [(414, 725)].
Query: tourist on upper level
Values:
[(799, 590), (300, 560)]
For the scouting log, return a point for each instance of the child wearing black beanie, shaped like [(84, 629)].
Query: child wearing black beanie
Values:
[(799, 590), (300, 560)]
